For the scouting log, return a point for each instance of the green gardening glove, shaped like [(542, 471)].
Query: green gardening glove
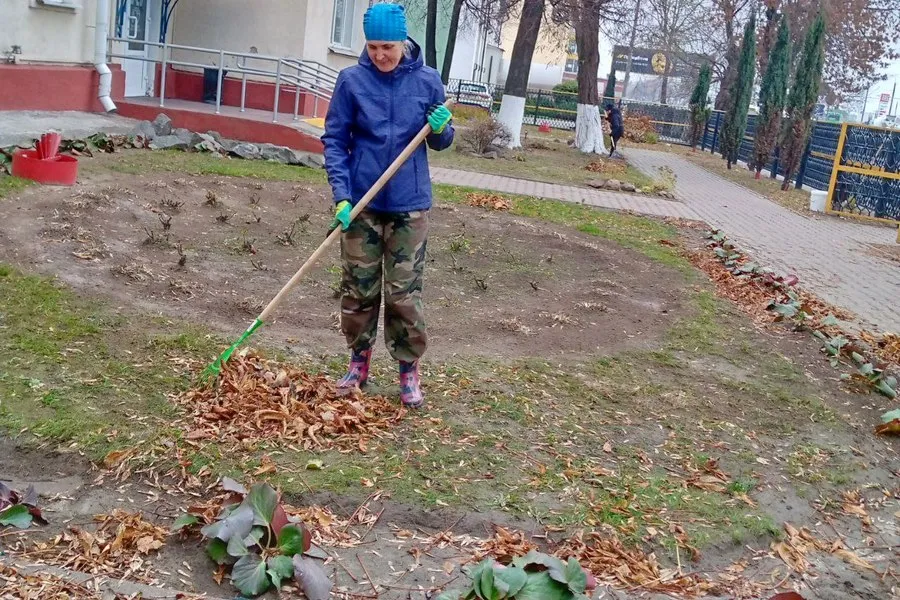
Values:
[(341, 216), (439, 117)]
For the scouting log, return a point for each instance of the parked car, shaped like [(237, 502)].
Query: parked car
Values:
[(472, 93)]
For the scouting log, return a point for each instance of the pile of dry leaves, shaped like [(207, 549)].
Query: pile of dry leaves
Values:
[(116, 549), (43, 586), (607, 167), (750, 294), (504, 546), (614, 564), (798, 543), (489, 201), (256, 399), (886, 346)]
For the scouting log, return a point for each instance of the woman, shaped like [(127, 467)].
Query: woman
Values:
[(377, 108)]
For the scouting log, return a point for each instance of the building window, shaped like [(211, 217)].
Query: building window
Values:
[(572, 48), (342, 25), (571, 65)]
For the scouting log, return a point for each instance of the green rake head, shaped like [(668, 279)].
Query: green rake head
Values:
[(212, 372)]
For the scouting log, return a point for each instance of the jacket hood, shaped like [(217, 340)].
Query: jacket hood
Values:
[(407, 63)]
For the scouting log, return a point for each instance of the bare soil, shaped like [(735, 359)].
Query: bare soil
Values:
[(761, 402), (495, 285)]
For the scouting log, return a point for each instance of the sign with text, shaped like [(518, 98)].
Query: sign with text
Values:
[(883, 102), (647, 61)]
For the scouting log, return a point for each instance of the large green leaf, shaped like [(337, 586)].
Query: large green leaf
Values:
[(312, 578), (238, 523), (236, 547), (262, 499), (280, 568), (890, 416), (255, 535), (291, 541), (539, 558), (184, 521), (540, 586), (218, 551), (577, 578), (509, 580), (484, 585), (249, 575), (885, 388), (17, 516)]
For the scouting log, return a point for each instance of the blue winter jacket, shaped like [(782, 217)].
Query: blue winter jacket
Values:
[(371, 119)]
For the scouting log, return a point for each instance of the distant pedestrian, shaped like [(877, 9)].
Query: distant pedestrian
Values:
[(616, 126)]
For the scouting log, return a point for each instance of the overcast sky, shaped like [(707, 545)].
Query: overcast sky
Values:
[(893, 75)]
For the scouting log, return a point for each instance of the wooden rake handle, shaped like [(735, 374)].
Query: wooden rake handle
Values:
[(334, 235)]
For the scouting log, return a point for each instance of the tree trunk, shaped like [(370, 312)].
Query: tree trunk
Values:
[(451, 40), (723, 98), (431, 34), (512, 107), (637, 13), (588, 126), (664, 88)]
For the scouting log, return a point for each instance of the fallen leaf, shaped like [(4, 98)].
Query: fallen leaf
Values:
[(115, 457), (230, 485), (219, 575), (607, 447), (147, 544), (763, 461), (366, 482), (891, 427), (853, 559), (315, 465)]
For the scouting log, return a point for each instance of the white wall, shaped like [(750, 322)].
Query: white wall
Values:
[(295, 28), (539, 76), (49, 35)]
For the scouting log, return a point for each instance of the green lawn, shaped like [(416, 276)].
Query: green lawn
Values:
[(546, 160)]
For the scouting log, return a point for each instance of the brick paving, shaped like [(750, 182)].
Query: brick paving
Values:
[(830, 255), (656, 207)]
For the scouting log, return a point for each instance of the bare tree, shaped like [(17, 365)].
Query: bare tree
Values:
[(678, 27), (723, 40), (585, 16), (431, 33), (512, 107)]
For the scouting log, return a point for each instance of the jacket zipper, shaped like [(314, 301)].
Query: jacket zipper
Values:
[(393, 141)]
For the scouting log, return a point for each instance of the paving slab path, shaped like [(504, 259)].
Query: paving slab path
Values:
[(833, 257)]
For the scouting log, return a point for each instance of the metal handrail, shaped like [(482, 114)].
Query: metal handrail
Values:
[(309, 76)]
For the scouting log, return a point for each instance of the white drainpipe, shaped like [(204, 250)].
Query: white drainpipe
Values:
[(100, 33)]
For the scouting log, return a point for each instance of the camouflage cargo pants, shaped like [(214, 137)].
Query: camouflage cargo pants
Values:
[(385, 249)]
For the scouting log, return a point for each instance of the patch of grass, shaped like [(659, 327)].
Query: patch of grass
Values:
[(73, 374), (12, 185), (638, 233), (551, 161), (704, 331), (140, 162)]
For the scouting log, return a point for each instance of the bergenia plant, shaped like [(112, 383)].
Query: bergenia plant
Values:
[(254, 535), (535, 576)]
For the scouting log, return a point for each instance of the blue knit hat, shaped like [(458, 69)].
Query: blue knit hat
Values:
[(385, 23)]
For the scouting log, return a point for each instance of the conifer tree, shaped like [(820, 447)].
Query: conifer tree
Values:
[(772, 93), (802, 99), (741, 92)]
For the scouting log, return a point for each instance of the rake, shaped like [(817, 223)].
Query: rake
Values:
[(214, 369)]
